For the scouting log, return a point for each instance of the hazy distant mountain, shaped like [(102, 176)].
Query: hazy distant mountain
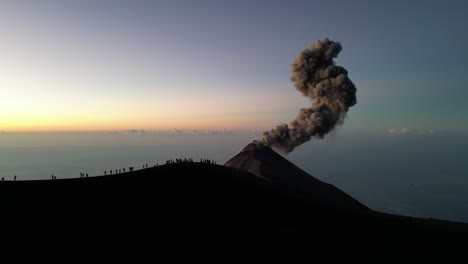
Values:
[(266, 163)]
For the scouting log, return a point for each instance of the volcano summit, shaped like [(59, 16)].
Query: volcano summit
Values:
[(265, 163)]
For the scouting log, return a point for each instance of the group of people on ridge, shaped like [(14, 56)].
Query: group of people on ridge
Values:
[(117, 171)]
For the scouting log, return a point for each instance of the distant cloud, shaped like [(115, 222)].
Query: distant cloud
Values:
[(140, 132), (212, 132), (227, 132), (177, 132), (200, 132), (113, 132), (407, 131), (397, 131), (2, 132)]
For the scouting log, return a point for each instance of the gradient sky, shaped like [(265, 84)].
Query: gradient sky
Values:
[(111, 64)]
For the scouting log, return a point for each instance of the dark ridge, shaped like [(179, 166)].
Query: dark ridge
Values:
[(198, 212)]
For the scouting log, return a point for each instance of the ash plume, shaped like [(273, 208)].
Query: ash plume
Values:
[(316, 76)]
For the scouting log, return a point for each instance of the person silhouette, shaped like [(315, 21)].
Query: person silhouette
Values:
[(3, 178), (15, 178), (105, 172), (86, 175)]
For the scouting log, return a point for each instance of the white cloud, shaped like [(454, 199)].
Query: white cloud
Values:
[(407, 131)]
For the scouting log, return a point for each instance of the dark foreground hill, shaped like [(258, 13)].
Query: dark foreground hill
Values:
[(197, 212)]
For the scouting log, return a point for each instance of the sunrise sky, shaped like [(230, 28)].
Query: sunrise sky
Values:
[(118, 65)]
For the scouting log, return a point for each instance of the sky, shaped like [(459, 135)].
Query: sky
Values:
[(118, 65)]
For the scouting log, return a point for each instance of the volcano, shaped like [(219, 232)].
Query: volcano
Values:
[(258, 208), (265, 163)]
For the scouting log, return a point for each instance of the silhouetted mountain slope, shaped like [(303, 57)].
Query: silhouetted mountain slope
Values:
[(197, 212), (266, 163)]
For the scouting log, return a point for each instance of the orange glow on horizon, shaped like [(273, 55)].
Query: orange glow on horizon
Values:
[(62, 116), (103, 123), (31, 105)]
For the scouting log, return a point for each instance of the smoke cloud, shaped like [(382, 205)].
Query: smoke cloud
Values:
[(332, 93)]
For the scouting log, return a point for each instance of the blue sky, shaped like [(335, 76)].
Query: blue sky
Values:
[(98, 65)]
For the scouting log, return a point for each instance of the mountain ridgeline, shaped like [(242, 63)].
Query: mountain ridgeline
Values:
[(258, 208)]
